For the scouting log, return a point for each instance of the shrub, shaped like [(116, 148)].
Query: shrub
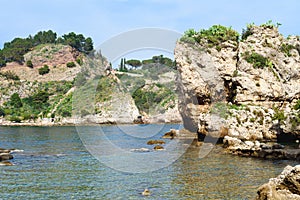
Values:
[(79, 61), (217, 34), (279, 115), (258, 60), (29, 63), (214, 35), (2, 112), (71, 64), (286, 48), (10, 75), (270, 24), (15, 119), (15, 101), (297, 106), (247, 32), (44, 70)]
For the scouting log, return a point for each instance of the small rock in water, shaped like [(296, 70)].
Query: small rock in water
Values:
[(146, 192), (170, 135), (158, 148), (151, 142), (5, 156), (6, 163)]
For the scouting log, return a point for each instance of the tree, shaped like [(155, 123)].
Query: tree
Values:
[(122, 67), (88, 45), (134, 63), (78, 42), (44, 37), (15, 101)]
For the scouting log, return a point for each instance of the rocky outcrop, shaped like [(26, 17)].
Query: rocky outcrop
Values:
[(286, 186), (269, 150), (249, 87)]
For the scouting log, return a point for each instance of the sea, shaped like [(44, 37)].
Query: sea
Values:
[(115, 162)]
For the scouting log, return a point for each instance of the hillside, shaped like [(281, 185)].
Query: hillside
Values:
[(58, 83)]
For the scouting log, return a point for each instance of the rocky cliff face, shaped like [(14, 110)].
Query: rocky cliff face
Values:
[(252, 85)]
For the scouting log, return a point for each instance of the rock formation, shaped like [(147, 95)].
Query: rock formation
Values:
[(286, 186), (248, 87)]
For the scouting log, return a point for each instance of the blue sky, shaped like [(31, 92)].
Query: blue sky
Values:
[(102, 19)]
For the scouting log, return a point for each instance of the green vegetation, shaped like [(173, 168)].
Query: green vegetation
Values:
[(152, 98), (44, 70), (15, 50), (29, 64), (247, 32), (134, 63), (122, 67), (9, 75), (105, 88), (286, 48), (15, 101), (39, 104), (258, 60), (220, 109), (79, 61), (65, 107), (77, 41), (279, 115), (214, 36), (270, 24), (71, 64), (297, 106)]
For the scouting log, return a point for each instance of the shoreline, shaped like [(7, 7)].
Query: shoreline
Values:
[(25, 124)]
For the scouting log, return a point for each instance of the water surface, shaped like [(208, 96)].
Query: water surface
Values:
[(56, 165)]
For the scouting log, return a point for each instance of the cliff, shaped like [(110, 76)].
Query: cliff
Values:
[(246, 88)]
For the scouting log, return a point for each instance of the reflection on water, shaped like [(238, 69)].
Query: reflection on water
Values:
[(55, 165)]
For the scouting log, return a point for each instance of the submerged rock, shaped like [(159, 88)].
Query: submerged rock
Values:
[(6, 163), (170, 135), (158, 148), (5, 156), (286, 186), (151, 142), (146, 192)]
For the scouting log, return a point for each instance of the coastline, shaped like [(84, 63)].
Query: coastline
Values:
[(58, 124)]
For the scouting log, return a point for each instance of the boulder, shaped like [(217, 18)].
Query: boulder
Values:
[(152, 142), (286, 186), (5, 156), (170, 135), (6, 163), (158, 148)]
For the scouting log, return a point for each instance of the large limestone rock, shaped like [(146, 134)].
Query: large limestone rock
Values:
[(201, 80), (286, 186), (260, 100)]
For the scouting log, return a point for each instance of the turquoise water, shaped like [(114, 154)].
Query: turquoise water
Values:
[(56, 165)]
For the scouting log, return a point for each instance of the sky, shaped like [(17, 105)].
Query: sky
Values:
[(103, 19)]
